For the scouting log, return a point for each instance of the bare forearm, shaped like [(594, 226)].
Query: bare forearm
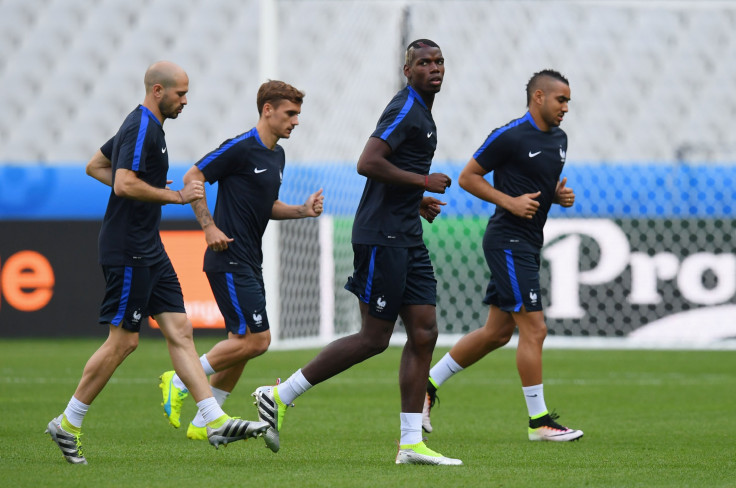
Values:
[(282, 211), (202, 212), (382, 170), (140, 190), (477, 186), (100, 168)]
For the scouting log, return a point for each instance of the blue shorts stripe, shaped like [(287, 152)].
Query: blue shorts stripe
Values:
[(234, 298), (514, 281), (124, 295), (369, 281)]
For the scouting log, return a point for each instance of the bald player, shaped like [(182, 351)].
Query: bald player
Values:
[(140, 280)]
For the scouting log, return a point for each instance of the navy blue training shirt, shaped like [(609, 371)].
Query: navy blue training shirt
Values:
[(248, 176), (523, 159), (130, 229), (388, 215)]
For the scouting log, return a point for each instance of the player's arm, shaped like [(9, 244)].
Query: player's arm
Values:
[(472, 179), (374, 164), (100, 168), (128, 185), (311, 208), (216, 239)]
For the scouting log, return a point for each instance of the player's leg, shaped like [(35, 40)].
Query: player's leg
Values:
[(177, 330), (379, 297), (529, 317), (122, 309), (221, 428), (471, 348), (231, 354), (532, 332), (229, 357), (103, 363), (167, 305), (421, 330), (420, 320)]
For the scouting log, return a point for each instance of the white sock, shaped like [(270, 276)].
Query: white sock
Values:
[(220, 397), (290, 389), (207, 370), (75, 412), (411, 428), (206, 365), (534, 396), (444, 369), (210, 410), (179, 383)]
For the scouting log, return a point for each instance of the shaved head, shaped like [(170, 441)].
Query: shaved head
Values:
[(164, 73), (543, 80)]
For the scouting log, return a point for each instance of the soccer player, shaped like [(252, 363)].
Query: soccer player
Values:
[(393, 274), (140, 279), (526, 157), (248, 170)]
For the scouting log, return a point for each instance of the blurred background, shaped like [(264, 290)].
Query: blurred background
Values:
[(644, 259)]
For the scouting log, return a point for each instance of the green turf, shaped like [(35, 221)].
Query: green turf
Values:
[(651, 418)]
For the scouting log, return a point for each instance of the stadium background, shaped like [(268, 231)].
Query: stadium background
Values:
[(644, 258)]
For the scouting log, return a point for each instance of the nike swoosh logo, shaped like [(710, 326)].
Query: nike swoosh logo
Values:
[(256, 170), (429, 134), (531, 154), (531, 396), (163, 150)]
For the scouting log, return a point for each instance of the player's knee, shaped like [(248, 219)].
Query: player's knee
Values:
[(537, 333), (126, 345), (423, 338), (501, 340), (260, 345), (375, 344)]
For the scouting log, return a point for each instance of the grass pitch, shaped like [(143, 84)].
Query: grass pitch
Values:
[(651, 418)]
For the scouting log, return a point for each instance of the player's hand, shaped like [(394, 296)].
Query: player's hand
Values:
[(314, 205), (429, 208), (437, 183), (216, 239), (194, 190), (564, 195), (525, 206)]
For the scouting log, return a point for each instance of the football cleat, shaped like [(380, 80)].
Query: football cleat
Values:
[(70, 444), (430, 398), (228, 429), (196, 433), (419, 453), (173, 397), (545, 428), (270, 410)]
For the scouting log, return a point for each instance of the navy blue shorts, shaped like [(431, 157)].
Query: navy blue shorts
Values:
[(135, 292), (387, 278), (514, 280), (241, 298)]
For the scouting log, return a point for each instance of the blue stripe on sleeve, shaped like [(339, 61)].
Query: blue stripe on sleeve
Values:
[(404, 110), (526, 118), (217, 152), (513, 279), (139, 141)]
